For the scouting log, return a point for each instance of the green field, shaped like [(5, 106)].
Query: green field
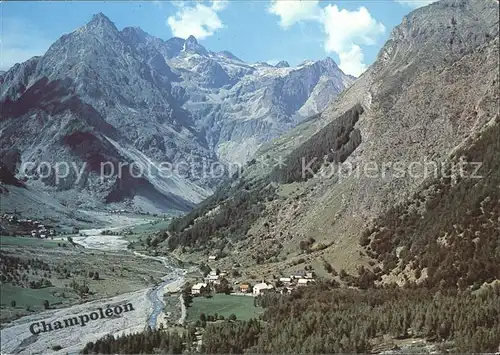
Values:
[(33, 298), (28, 241), (241, 306), (150, 227)]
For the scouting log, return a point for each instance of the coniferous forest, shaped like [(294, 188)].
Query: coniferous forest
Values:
[(325, 319), (450, 229)]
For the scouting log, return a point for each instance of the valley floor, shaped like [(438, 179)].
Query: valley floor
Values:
[(124, 277)]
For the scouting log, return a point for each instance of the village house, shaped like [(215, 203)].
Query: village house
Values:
[(212, 258), (286, 280), (198, 288), (304, 282), (244, 288), (299, 274), (213, 278), (261, 288)]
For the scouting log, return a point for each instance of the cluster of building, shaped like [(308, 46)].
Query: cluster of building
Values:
[(27, 226), (11, 218), (118, 211), (42, 232), (213, 278), (282, 285), (299, 278)]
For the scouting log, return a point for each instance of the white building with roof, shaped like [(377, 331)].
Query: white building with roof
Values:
[(261, 288), (304, 282), (286, 280), (198, 288)]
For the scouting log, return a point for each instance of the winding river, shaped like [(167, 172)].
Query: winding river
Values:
[(148, 304), (155, 295)]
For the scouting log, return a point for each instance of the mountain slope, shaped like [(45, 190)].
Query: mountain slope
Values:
[(417, 106), (449, 231)]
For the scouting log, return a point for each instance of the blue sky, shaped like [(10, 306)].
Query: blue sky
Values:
[(351, 32)]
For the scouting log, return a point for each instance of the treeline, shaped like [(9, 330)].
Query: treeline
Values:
[(237, 209), (449, 229), (336, 141), (147, 342), (230, 337), (323, 320), (238, 203)]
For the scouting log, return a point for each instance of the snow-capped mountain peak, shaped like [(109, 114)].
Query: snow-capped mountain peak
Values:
[(191, 45), (282, 64)]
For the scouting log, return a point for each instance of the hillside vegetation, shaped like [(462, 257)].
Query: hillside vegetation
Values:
[(333, 144), (224, 217), (450, 230), (324, 320)]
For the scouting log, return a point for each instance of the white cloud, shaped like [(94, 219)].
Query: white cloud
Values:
[(200, 20), (345, 31), (219, 5), (293, 11), (352, 62), (20, 41), (416, 3)]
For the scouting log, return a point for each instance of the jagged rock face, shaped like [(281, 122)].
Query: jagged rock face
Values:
[(191, 46), (243, 105), (283, 64), (100, 94)]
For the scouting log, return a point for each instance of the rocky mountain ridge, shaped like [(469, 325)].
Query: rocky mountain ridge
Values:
[(103, 95)]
